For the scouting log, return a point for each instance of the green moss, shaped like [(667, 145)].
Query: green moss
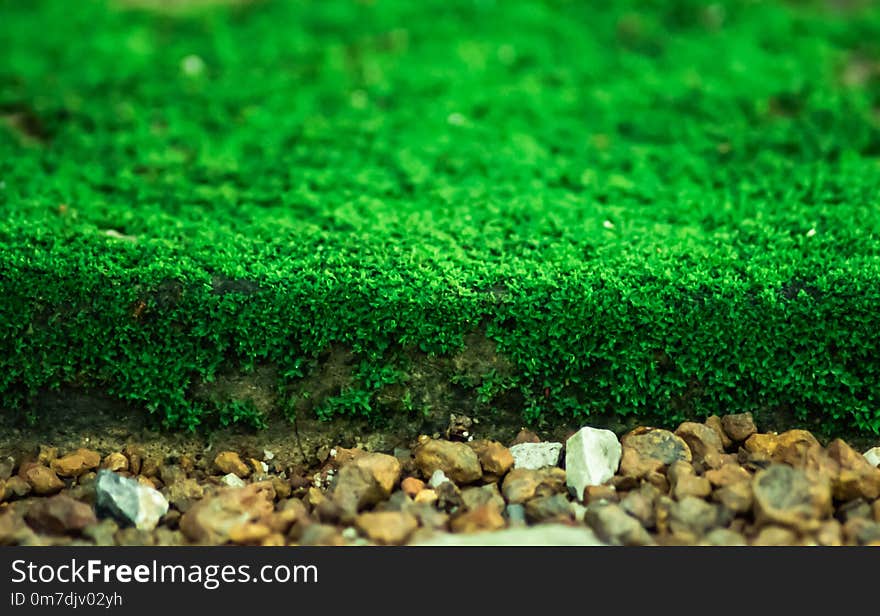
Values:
[(658, 208)]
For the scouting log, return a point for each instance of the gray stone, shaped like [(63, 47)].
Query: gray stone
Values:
[(438, 478), (613, 525), (127, 501), (232, 480), (591, 458), (516, 515), (873, 456), (535, 456), (543, 534)]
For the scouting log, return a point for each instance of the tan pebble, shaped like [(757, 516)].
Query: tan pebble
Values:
[(412, 486), (115, 462)]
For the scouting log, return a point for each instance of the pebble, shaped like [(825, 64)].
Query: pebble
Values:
[(592, 456), (739, 426), (232, 480), (76, 463), (856, 477), (656, 444), (230, 462), (786, 496), (42, 479), (613, 525), (873, 456), (476, 497), (386, 527), (59, 514), (554, 507), (534, 456), (412, 486), (438, 478), (700, 439), (495, 458), (486, 517), (115, 462), (522, 484), (210, 520), (365, 481), (457, 461), (128, 502)]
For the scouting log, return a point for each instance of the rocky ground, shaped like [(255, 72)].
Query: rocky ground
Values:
[(715, 483)]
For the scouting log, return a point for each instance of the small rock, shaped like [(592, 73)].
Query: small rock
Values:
[(486, 517), (594, 494), (775, 536), (554, 507), (714, 422), (516, 514), (723, 537), (858, 508), (76, 463), (128, 502), (133, 536), (762, 445), (690, 486), (102, 532), (459, 427), (59, 515), (412, 486), (46, 455), (232, 480), (634, 465), (249, 533), (211, 519), (691, 518), (230, 462), (542, 535), (115, 462), (873, 456), (42, 479), (456, 460), (183, 494), (522, 484), (438, 478), (17, 487), (736, 497), (494, 457), (640, 505), (525, 436), (727, 475), (857, 477), (613, 525), (592, 456), (387, 527), (876, 509), (448, 497), (534, 456), (700, 439), (786, 496), (796, 448), (428, 496), (830, 533), (321, 534), (860, 531), (656, 444), (13, 530), (366, 481), (475, 498), (739, 426), (7, 466)]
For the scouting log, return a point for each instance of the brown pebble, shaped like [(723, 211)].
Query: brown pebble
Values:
[(412, 486), (115, 462), (739, 426)]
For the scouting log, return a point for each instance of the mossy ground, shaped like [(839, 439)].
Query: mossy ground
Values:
[(643, 210)]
